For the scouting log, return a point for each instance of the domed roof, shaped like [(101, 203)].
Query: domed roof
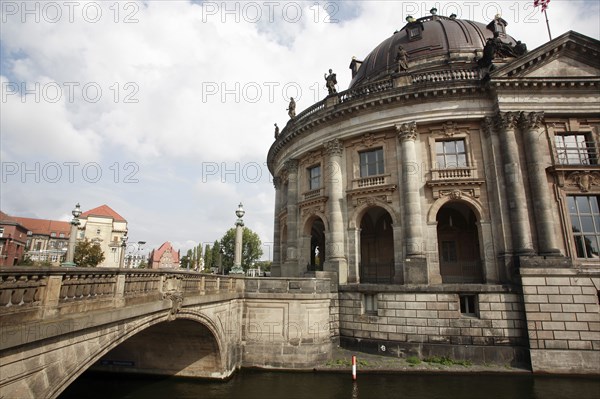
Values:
[(428, 40)]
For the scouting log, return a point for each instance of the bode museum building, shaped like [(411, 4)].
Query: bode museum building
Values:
[(452, 195)]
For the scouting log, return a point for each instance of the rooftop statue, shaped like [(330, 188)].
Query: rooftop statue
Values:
[(291, 109), (276, 131), (331, 81)]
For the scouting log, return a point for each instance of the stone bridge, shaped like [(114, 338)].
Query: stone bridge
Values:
[(55, 323)]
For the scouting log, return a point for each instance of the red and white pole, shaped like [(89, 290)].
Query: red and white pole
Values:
[(353, 368)]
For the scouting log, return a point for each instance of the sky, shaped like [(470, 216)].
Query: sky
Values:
[(164, 110)]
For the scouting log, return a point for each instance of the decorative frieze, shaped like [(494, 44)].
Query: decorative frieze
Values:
[(449, 129), (407, 131), (583, 180)]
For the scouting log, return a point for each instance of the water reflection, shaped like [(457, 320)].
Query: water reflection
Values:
[(277, 385)]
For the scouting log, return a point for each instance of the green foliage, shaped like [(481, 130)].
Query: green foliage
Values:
[(208, 257), (143, 265), (265, 265), (413, 360), (88, 254), (26, 261), (185, 261), (446, 361), (251, 248)]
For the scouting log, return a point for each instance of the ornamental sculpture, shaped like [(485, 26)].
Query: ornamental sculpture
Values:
[(291, 109), (330, 82)]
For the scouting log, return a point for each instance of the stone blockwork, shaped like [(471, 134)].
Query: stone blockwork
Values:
[(563, 319), (427, 322), (286, 328)]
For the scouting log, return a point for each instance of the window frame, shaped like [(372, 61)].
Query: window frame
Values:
[(586, 155), (447, 155), (369, 302), (579, 238), (464, 305), (311, 178), (378, 162)]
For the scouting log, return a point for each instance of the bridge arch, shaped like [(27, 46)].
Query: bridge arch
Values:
[(142, 331)]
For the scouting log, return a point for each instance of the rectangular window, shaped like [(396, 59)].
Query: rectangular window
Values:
[(314, 177), (371, 163), (62, 235), (52, 235), (585, 223), (451, 154), (575, 149), (468, 305), (370, 303)]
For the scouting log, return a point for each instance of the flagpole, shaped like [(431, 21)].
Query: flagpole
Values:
[(548, 24)]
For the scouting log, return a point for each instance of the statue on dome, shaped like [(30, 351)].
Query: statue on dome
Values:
[(276, 131), (331, 81), (291, 109), (401, 59), (498, 25)]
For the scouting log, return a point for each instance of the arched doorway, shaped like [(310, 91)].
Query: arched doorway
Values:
[(376, 246), (458, 244), (317, 244), (180, 347)]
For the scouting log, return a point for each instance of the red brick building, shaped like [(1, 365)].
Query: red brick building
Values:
[(13, 238)]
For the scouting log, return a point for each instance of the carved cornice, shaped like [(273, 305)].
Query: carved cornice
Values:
[(360, 195), (407, 131), (313, 206), (506, 120), (471, 188), (333, 147), (531, 120)]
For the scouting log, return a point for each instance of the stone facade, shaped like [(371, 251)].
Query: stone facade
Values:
[(447, 178), (563, 319)]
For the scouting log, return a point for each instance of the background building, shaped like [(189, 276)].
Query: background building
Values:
[(13, 239), (47, 240), (164, 257), (453, 194), (106, 227)]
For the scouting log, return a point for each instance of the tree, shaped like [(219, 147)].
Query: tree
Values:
[(251, 248), (88, 254), (208, 260), (215, 253)]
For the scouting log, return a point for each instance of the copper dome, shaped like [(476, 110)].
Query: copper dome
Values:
[(429, 41)]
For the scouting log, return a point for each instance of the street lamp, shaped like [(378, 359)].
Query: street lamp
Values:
[(122, 255), (73, 237), (239, 227)]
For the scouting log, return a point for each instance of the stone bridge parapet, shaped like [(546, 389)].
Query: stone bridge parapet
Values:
[(57, 322)]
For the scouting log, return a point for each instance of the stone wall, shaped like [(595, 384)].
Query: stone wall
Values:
[(563, 319), (282, 327), (428, 322)]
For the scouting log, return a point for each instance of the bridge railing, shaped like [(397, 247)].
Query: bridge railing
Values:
[(38, 292)]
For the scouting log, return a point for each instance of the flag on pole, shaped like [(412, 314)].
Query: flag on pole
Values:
[(542, 3)]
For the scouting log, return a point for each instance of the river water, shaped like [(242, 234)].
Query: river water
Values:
[(249, 384)]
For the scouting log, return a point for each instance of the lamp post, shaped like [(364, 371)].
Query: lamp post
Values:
[(73, 237), (221, 253), (239, 227), (122, 255)]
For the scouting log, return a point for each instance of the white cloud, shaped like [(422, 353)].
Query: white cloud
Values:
[(186, 87)]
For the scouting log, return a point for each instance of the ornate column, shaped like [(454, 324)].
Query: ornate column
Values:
[(515, 190), (290, 268), (415, 264), (336, 249), (276, 265), (409, 188), (531, 125)]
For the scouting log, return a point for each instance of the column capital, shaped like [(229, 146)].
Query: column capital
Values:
[(531, 120), (407, 131), (506, 120), (333, 147), (291, 166), (277, 182)]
